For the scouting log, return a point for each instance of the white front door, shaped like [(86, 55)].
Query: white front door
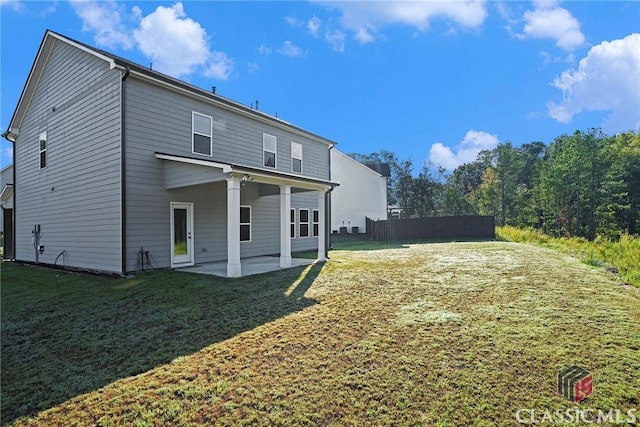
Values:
[(181, 234)]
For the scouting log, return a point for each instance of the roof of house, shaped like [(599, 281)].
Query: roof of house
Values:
[(366, 167), (122, 63), (382, 168)]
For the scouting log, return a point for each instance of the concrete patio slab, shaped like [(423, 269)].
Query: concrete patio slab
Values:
[(250, 266)]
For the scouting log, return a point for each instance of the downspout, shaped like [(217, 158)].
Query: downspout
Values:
[(327, 207), (123, 174)]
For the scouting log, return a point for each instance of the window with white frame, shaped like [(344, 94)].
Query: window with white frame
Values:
[(202, 130), (303, 218), (245, 223), (293, 223), (42, 147), (269, 145), (296, 157), (316, 222)]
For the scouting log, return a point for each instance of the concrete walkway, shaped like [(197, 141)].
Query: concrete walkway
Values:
[(254, 265)]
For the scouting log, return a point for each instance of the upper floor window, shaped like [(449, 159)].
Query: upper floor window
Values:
[(43, 150), (245, 223), (269, 143), (202, 127), (296, 157)]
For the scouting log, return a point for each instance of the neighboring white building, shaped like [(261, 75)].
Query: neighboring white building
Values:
[(362, 193)]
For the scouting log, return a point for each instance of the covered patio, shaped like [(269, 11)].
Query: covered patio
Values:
[(250, 266)]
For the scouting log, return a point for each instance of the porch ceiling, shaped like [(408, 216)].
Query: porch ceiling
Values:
[(183, 171)]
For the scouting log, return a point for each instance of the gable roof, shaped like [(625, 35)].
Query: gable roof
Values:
[(51, 38), (356, 163)]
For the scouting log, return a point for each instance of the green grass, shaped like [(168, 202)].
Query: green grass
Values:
[(442, 334), (622, 255)]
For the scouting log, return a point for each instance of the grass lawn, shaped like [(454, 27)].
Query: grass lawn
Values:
[(443, 334)]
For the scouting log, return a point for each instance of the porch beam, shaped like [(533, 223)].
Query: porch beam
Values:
[(285, 226), (234, 268)]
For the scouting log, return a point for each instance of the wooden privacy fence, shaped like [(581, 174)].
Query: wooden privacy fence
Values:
[(437, 227)]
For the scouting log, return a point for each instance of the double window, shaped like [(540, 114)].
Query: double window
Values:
[(269, 149), (245, 223), (42, 147), (202, 130), (296, 157)]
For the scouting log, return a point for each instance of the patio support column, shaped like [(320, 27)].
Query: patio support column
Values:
[(285, 228), (322, 250), (233, 228)]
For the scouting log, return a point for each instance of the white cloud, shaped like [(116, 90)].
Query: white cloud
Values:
[(265, 49), (465, 152), (104, 18), (8, 152), (291, 20), (607, 79), (288, 48), (13, 4), (547, 20), (175, 44), (178, 45), (365, 19), (313, 25), (335, 39), (363, 35)]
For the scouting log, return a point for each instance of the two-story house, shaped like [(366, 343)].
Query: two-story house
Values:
[(117, 164)]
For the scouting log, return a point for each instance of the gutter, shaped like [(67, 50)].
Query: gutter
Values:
[(123, 175)]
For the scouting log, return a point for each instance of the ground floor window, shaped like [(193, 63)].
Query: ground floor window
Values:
[(293, 223), (316, 222), (304, 223), (245, 223)]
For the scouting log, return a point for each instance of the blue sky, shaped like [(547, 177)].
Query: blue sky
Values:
[(435, 80)]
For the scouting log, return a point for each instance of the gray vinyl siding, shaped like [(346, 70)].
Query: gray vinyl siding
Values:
[(76, 198), (304, 200), (159, 120), (163, 120)]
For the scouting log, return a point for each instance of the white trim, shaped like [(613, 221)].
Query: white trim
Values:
[(298, 147), (285, 228), (266, 138), (313, 223), (194, 133), (42, 137), (225, 168), (190, 231), (250, 224), (95, 53), (300, 223), (234, 266), (6, 193)]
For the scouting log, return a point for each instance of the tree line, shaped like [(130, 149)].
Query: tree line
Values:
[(584, 184)]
